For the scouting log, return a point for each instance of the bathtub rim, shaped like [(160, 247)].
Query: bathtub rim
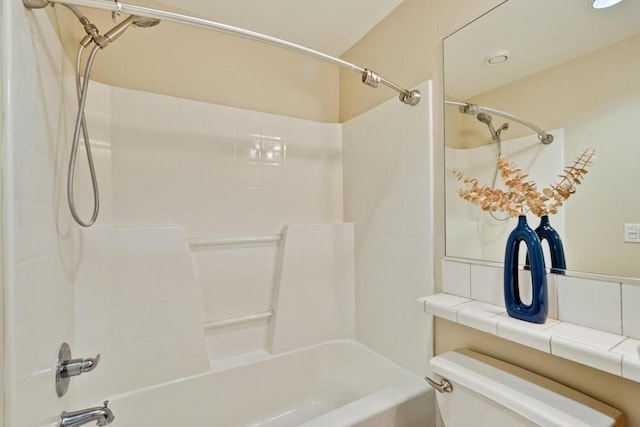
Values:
[(401, 370)]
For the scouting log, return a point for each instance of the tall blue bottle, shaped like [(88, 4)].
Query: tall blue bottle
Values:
[(535, 312), (548, 233)]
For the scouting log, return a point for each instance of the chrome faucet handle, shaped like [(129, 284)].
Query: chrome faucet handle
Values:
[(73, 367), (68, 367)]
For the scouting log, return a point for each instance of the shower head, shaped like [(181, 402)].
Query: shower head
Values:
[(495, 134), (118, 30), (484, 118), (145, 22)]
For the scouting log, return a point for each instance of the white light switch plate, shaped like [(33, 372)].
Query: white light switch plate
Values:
[(632, 233)]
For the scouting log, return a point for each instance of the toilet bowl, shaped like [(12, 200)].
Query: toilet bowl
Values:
[(488, 392)]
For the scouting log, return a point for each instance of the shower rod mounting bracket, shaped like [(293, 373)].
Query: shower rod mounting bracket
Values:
[(411, 97), (546, 138), (373, 79), (370, 78)]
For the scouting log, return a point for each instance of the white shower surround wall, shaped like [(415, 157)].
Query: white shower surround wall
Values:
[(41, 246), (196, 164), (388, 186), (188, 163), (137, 304), (164, 160)]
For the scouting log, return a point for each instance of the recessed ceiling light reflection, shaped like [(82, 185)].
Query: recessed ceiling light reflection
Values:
[(603, 4), (498, 59)]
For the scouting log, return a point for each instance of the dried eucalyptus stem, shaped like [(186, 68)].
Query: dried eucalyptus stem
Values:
[(573, 175), (523, 195)]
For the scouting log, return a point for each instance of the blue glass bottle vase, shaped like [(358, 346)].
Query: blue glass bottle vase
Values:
[(535, 312), (546, 232)]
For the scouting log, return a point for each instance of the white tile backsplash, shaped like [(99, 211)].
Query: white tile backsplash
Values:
[(552, 290), (487, 284), (590, 303), (456, 278), (605, 306), (631, 311)]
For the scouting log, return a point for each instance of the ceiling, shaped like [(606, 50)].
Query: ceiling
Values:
[(541, 34), (331, 26)]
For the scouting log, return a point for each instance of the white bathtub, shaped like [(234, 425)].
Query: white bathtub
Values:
[(338, 383)]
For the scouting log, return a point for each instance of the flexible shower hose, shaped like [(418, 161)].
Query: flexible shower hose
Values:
[(495, 179), (82, 89)]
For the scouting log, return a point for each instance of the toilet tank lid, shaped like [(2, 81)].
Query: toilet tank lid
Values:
[(539, 399)]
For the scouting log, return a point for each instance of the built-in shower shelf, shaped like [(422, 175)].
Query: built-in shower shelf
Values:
[(237, 320), (203, 243), (612, 353)]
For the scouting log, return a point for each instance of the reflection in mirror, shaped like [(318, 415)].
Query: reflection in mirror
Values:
[(573, 71)]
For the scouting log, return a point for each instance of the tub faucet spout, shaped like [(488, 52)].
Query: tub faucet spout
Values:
[(102, 415)]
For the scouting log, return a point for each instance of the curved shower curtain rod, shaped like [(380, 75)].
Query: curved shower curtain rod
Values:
[(370, 78), (467, 108)]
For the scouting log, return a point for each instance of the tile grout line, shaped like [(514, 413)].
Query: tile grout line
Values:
[(458, 307), (621, 312)]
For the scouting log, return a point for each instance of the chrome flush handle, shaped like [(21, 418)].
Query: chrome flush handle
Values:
[(444, 386)]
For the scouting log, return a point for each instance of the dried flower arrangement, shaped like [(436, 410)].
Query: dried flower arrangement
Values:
[(522, 195)]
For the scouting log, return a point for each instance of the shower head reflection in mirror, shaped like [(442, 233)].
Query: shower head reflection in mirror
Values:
[(495, 134)]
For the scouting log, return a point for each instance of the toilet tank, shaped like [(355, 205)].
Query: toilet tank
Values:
[(489, 392)]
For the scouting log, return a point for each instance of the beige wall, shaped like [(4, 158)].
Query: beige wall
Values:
[(407, 47), (612, 390), (595, 99), (188, 62)]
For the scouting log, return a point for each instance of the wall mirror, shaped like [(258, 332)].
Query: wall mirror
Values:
[(573, 71)]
